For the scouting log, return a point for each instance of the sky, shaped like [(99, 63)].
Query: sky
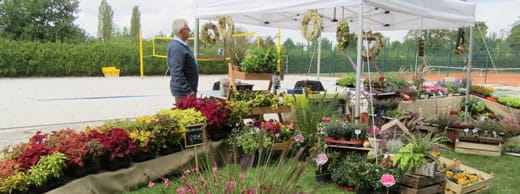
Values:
[(157, 16)]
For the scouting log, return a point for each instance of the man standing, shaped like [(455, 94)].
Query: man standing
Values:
[(182, 64)]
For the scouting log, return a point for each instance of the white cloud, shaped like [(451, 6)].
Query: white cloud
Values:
[(157, 15)]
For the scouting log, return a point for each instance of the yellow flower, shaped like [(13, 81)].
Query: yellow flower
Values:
[(435, 154), (449, 173)]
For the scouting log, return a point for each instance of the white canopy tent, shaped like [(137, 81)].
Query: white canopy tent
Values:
[(375, 15)]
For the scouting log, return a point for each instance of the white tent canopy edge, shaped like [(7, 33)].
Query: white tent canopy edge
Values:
[(363, 15)]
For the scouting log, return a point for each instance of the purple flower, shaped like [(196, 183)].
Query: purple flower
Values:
[(321, 159), (299, 138)]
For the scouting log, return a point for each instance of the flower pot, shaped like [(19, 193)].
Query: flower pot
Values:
[(77, 172), (345, 188), (141, 156), (117, 163), (170, 149), (323, 177)]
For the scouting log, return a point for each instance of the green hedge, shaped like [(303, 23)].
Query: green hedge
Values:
[(27, 59)]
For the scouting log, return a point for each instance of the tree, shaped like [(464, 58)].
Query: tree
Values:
[(105, 23), (42, 20), (514, 38), (289, 43), (135, 23)]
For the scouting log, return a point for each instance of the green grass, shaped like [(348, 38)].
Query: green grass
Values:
[(504, 169)]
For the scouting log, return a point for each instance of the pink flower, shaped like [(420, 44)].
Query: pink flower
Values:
[(180, 191), (321, 159), (299, 138), (387, 180), (242, 177), (166, 181), (150, 184), (325, 119)]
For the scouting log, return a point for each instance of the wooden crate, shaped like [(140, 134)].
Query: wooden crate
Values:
[(432, 189), (454, 188), (478, 148), (412, 184), (283, 146)]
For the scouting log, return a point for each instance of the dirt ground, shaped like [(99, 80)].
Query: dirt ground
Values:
[(509, 79)]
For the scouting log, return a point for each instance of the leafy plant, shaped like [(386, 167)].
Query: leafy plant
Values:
[(416, 152), (116, 143), (185, 117), (47, 168), (262, 59), (346, 80), (248, 140), (70, 143), (308, 116), (18, 182), (215, 110)]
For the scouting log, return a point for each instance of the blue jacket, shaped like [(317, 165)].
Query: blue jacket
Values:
[(183, 68)]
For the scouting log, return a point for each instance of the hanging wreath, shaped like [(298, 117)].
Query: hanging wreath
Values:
[(459, 46), (342, 34), (374, 51), (225, 27), (205, 34), (314, 17)]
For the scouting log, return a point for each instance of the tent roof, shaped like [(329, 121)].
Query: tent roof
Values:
[(379, 15)]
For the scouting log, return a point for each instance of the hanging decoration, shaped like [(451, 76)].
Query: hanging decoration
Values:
[(205, 34), (374, 51), (225, 27), (420, 47), (317, 25), (342, 34), (459, 46)]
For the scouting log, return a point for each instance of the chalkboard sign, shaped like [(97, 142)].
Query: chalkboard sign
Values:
[(194, 135)]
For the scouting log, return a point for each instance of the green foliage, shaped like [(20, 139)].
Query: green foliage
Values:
[(248, 140), (48, 168), (510, 101), (135, 22), (476, 106), (259, 60), (42, 20), (105, 21), (25, 58), (308, 116), (346, 80), (185, 117), (416, 151), (18, 182)]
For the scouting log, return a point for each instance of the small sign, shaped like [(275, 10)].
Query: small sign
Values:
[(194, 135)]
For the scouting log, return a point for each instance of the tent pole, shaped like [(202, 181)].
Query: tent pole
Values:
[(358, 64), (468, 75), (318, 66), (196, 39)]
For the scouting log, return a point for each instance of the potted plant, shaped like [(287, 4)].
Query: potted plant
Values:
[(215, 110), (46, 174), (250, 143), (12, 179), (73, 145), (419, 155), (325, 167), (347, 81), (118, 147), (259, 60)]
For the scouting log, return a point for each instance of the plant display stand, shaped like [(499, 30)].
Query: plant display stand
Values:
[(258, 112), (343, 149), (411, 184), (235, 73), (478, 148)]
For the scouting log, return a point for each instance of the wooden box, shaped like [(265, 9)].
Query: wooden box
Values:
[(412, 184), (454, 188), (478, 148), (283, 146)]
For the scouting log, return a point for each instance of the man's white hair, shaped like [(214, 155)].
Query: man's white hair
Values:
[(178, 25)]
